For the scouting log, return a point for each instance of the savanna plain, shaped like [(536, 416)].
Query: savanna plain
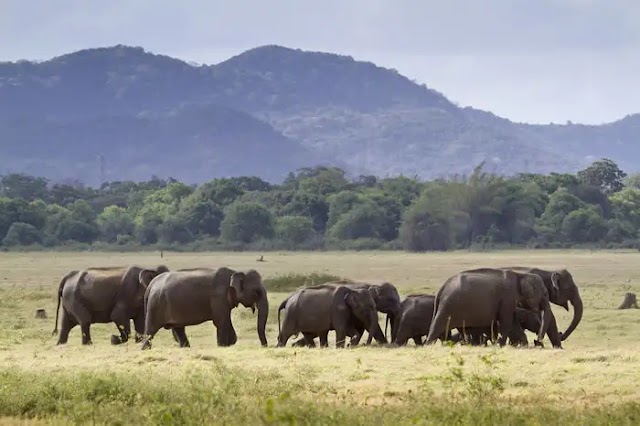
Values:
[(593, 380)]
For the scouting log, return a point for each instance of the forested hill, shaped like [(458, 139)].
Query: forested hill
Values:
[(264, 112)]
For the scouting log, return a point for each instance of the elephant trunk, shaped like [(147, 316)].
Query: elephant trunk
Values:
[(263, 314), (576, 302), (375, 330), (546, 316)]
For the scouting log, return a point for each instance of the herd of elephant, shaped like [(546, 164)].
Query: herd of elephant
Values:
[(472, 307)]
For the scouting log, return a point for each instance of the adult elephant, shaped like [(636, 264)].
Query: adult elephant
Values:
[(387, 301), (314, 311), (102, 295), (562, 289), (178, 299), (484, 297)]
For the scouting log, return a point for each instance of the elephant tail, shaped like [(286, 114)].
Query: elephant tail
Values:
[(60, 288), (280, 308), (386, 324)]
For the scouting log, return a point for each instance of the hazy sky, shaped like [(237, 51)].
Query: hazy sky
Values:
[(535, 61)]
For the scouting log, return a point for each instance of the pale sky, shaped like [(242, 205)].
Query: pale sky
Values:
[(532, 61)]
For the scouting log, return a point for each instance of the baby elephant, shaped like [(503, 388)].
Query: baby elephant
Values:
[(315, 311)]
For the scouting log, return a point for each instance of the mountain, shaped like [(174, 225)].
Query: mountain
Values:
[(265, 112)]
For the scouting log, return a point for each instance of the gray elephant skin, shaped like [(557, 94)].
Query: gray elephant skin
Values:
[(414, 320), (175, 300), (562, 289), (315, 311), (103, 295), (488, 297), (387, 300), (524, 320)]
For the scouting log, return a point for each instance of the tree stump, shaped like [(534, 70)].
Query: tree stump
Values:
[(629, 301), (41, 314)]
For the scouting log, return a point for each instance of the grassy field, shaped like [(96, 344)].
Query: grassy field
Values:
[(594, 380)]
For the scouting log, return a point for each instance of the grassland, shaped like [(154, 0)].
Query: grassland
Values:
[(594, 380)]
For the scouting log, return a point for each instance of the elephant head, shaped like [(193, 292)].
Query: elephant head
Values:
[(534, 296), (387, 301), (247, 288), (363, 307), (564, 290), (147, 275)]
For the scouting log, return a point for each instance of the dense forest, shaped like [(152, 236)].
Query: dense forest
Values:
[(320, 208)]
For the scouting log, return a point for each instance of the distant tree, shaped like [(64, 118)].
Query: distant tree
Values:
[(22, 186), (71, 229), (115, 221), (174, 230), (561, 203), (583, 225), (425, 228), (604, 174), (246, 222), (200, 215), (22, 234), (294, 229), (365, 220), (310, 205)]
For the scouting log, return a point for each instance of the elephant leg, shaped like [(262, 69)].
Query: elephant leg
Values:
[(67, 323), (125, 331), (86, 333), (307, 340), (324, 339), (233, 337), (138, 324), (341, 336), (438, 327), (223, 329), (417, 340), (181, 336), (554, 335), (83, 316), (123, 323), (505, 323), (304, 341)]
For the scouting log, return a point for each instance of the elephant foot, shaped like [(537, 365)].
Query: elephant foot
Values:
[(116, 340), (87, 343), (538, 344), (146, 345), (139, 338)]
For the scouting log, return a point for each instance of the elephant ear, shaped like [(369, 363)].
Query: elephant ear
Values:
[(146, 276), (237, 280), (232, 296), (527, 287), (555, 281), (350, 298)]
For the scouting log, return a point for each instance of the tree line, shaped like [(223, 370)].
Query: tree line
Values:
[(321, 208)]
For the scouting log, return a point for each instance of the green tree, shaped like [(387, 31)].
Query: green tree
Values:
[(115, 221), (75, 230), (583, 225), (365, 220), (294, 229), (174, 230), (22, 234), (425, 227), (201, 216), (246, 222), (561, 203), (29, 188), (604, 174)]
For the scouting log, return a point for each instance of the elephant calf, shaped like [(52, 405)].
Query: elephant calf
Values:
[(315, 311)]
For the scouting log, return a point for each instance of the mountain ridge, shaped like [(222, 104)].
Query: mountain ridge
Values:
[(331, 109)]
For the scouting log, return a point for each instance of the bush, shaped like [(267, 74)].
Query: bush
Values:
[(290, 282)]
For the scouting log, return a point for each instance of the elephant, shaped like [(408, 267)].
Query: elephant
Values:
[(387, 301), (562, 289), (486, 297), (524, 320), (178, 299), (414, 319), (102, 295), (315, 311)]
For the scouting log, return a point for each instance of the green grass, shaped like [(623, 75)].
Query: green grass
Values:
[(592, 381)]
